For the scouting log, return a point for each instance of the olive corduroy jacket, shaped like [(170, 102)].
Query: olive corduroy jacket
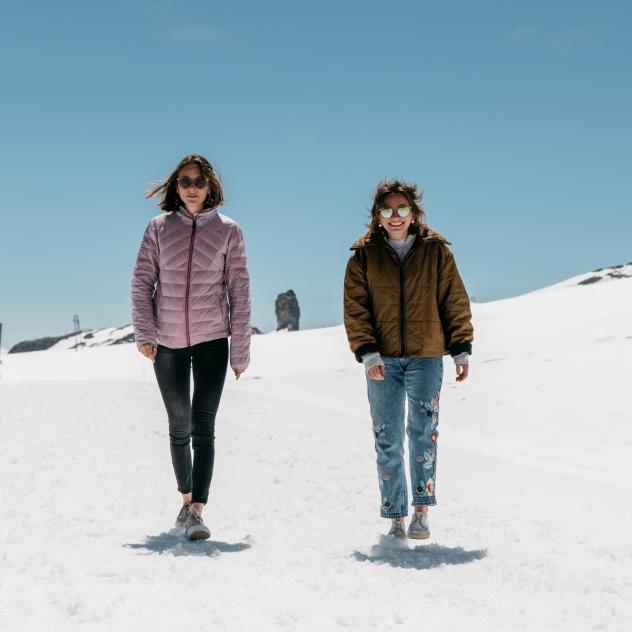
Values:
[(415, 308)]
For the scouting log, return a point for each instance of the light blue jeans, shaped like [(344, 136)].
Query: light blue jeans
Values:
[(417, 380)]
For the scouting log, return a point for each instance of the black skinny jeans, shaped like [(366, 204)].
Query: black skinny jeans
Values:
[(192, 419)]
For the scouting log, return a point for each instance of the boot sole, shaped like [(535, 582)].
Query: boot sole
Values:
[(420, 536), (200, 534)]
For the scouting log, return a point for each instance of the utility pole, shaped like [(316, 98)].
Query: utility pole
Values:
[(75, 322)]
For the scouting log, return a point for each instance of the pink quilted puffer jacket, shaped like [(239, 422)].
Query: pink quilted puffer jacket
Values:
[(191, 284)]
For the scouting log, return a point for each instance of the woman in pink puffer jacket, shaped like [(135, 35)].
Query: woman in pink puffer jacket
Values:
[(190, 292)]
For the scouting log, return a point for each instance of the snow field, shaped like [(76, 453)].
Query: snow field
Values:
[(533, 481)]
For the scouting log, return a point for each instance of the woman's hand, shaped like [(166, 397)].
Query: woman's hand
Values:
[(461, 372), (376, 372), (149, 351), (238, 373)]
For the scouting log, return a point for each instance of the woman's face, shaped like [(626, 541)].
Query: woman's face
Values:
[(192, 197), (396, 227)]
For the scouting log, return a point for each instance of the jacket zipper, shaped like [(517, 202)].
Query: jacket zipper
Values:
[(402, 298), (402, 310), (186, 299)]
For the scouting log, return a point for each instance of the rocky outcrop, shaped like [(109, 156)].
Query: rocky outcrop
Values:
[(39, 344), (287, 311), (623, 271)]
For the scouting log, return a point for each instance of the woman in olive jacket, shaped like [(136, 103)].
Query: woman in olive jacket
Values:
[(405, 306)]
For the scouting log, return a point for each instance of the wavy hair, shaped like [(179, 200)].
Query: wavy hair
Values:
[(168, 190), (409, 191)]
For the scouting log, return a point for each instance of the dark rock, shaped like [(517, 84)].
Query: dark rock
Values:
[(287, 311), (590, 280), (255, 331), (39, 344)]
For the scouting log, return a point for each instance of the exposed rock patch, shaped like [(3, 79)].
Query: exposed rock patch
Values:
[(287, 311)]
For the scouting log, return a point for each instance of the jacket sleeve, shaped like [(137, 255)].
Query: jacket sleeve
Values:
[(238, 288), (144, 279), (454, 306), (358, 318)]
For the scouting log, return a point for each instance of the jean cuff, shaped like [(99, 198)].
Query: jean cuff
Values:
[(393, 515), (426, 500)]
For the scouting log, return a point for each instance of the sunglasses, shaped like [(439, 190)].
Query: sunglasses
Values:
[(185, 182), (402, 211)]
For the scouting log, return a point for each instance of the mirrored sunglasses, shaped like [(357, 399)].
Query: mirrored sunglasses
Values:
[(402, 211)]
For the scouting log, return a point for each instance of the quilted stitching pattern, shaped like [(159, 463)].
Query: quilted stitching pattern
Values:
[(219, 285)]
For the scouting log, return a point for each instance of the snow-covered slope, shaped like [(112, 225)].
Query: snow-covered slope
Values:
[(534, 487), (97, 338), (601, 275)]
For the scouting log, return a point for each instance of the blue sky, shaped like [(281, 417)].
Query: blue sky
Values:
[(514, 118)]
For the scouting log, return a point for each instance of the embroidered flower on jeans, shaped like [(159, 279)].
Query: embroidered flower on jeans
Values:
[(430, 408), (430, 457), (433, 436), (430, 486)]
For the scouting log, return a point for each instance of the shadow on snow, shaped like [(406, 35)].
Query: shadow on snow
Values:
[(174, 542), (398, 554)]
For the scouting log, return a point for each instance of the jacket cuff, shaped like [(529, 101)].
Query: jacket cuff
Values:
[(239, 363), (462, 358), (146, 341), (460, 347), (369, 347), (371, 359)]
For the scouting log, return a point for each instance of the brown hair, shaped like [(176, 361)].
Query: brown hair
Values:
[(170, 200), (409, 191)]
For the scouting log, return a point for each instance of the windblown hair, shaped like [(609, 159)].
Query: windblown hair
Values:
[(168, 190), (409, 191)]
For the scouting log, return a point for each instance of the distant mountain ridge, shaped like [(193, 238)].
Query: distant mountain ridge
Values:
[(121, 335), (600, 275), (87, 338), (82, 340), (615, 272)]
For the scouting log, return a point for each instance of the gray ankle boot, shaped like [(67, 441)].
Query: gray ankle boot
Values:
[(418, 529), (182, 516), (195, 527)]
